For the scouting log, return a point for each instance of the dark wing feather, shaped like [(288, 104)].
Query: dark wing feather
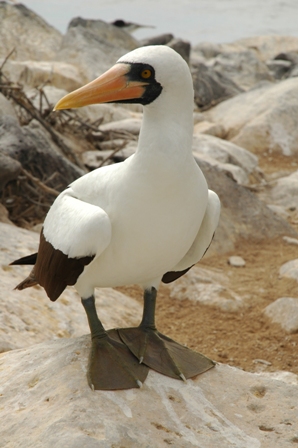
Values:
[(171, 276), (54, 270)]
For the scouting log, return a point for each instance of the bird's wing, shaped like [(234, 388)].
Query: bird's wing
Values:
[(74, 233), (201, 242)]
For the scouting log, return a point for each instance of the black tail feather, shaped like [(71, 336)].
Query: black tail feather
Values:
[(29, 259)]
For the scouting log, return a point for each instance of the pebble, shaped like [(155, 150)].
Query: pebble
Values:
[(290, 240), (284, 311), (236, 261), (289, 269), (262, 361)]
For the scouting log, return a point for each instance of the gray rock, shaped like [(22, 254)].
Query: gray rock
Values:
[(43, 73), (233, 171), (22, 29), (225, 152), (277, 209), (6, 108), (289, 269), (182, 47), (207, 50), (243, 215), (106, 32), (279, 68), (34, 150), (211, 86), (4, 215), (243, 67), (162, 39), (93, 46), (267, 47), (285, 192), (284, 311), (45, 401), (262, 120), (9, 170), (208, 287)]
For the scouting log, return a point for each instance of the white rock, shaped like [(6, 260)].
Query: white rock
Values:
[(242, 66), (233, 171), (289, 269), (284, 311), (269, 46), (206, 127), (45, 401), (41, 73), (207, 287), (28, 316), (262, 119), (225, 152), (285, 191), (93, 159), (23, 30), (129, 125), (236, 261), (6, 108)]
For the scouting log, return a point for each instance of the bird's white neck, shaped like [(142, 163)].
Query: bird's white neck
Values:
[(167, 130)]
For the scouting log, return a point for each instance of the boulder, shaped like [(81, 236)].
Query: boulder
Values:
[(45, 401), (284, 311), (182, 47), (243, 67), (33, 148), (211, 87), (243, 215), (263, 119), (206, 127), (279, 69), (161, 39), (289, 269), (43, 73), (284, 192), (267, 47), (23, 30), (225, 152), (93, 46)]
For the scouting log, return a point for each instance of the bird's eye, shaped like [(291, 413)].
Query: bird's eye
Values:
[(146, 73)]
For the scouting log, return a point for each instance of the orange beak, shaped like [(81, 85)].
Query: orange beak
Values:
[(113, 85)]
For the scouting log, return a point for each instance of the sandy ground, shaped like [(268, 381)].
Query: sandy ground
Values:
[(244, 338)]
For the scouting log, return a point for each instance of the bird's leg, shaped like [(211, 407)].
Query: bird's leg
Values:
[(111, 363), (158, 351)]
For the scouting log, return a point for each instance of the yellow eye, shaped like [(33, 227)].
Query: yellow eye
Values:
[(146, 73)]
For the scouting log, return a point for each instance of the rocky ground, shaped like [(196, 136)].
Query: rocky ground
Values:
[(242, 312)]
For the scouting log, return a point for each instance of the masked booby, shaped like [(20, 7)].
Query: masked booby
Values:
[(143, 221)]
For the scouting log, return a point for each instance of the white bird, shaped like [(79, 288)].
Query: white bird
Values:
[(147, 219)]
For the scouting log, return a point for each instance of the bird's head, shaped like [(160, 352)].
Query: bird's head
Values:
[(138, 77)]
